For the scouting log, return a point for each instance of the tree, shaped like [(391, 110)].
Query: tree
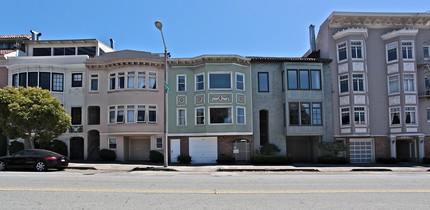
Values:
[(31, 113)]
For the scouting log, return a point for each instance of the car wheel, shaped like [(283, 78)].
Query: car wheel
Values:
[(2, 166), (40, 166)]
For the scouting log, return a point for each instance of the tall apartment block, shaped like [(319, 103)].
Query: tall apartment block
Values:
[(380, 83)]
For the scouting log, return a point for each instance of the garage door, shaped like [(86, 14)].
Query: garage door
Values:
[(139, 149), (361, 151), (203, 149)]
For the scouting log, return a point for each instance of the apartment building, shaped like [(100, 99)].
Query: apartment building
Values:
[(291, 102), (380, 83), (124, 103), (59, 66), (210, 108)]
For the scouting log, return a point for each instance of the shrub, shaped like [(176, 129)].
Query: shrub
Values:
[(426, 160), (272, 160), (332, 149), (107, 155), (332, 160), (269, 149), (390, 160), (156, 156), (54, 145), (15, 146), (184, 159), (225, 159)]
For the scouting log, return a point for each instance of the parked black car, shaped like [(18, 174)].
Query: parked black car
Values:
[(37, 159)]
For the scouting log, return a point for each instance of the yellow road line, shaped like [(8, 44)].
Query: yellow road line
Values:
[(214, 191)]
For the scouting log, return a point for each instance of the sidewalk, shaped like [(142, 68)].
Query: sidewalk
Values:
[(249, 168)]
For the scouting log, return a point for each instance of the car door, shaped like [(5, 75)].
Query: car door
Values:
[(18, 159)]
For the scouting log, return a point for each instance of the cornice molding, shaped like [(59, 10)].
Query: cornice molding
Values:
[(209, 59), (349, 32), (123, 63), (379, 20), (401, 32)]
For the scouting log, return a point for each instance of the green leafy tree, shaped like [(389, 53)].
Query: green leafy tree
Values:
[(31, 113)]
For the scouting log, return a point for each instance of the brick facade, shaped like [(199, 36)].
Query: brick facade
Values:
[(382, 147)]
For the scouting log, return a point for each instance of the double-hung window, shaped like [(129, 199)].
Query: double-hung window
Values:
[(94, 83), (120, 114), (141, 80), (112, 81), (112, 143), (76, 79), (391, 52), (152, 114), (200, 82), (200, 116), (393, 84), (220, 115), (359, 116), (112, 114), (121, 80), (345, 116), (181, 117), (410, 115), (57, 82), (426, 52), (240, 115), (181, 83), (152, 80), (341, 52), (343, 84), (141, 117), (409, 82), (130, 113), (356, 49), (130, 79), (240, 81), (408, 50), (358, 82), (395, 118)]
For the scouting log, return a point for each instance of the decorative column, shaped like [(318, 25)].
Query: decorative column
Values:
[(393, 141), (420, 147)]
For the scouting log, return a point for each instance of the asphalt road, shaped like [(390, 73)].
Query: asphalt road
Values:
[(73, 189)]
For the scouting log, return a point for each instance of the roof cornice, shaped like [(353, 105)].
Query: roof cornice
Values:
[(379, 19), (289, 59), (401, 32), (123, 62), (349, 32), (209, 59)]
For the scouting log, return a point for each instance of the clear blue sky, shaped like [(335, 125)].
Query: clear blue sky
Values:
[(191, 27)]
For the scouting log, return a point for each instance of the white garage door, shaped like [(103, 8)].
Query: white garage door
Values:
[(203, 149), (361, 150)]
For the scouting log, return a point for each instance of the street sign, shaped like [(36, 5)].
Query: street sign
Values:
[(166, 86)]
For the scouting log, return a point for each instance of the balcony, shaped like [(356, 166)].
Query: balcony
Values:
[(76, 129), (424, 93)]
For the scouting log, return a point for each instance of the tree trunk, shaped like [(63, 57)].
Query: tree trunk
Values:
[(28, 143)]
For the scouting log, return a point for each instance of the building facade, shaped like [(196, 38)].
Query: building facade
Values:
[(210, 108), (291, 100), (380, 83), (59, 66), (124, 102)]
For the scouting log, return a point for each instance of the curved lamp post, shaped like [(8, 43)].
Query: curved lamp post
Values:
[(159, 26)]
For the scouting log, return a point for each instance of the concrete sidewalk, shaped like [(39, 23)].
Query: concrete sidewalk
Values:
[(249, 168)]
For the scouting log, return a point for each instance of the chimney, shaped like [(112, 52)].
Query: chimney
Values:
[(312, 38), (35, 36), (112, 43)]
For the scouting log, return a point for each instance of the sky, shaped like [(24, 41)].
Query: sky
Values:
[(191, 27)]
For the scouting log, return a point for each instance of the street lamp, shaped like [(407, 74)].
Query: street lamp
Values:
[(159, 26)]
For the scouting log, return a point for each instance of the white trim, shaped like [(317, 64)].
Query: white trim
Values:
[(220, 72), (177, 117), (398, 84), (350, 32), (413, 49), (401, 32), (392, 45), (244, 115), (362, 49), (339, 84), (195, 82), (231, 115), (212, 134), (346, 51), (98, 83), (243, 82), (204, 116), (177, 83)]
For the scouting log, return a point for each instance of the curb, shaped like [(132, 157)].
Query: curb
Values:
[(266, 170), (81, 168), (370, 169)]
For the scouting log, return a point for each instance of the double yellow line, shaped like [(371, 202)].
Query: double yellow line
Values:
[(213, 191)]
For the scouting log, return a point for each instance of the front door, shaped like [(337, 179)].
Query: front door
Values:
[(175, 150)]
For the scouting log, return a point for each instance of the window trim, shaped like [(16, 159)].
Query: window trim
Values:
[(413, 85), (237, 82), (362, 49), (152, 107), (398, 84), (428, 52), (177, 83), (196, 116), (346, 110), (178, 120), (391, 119), (268, 82), (340, 84), (110, 145), (412, 50), (388, 46), (217, 107), (364, 111), (94, 77), (221, 72), (237, 115), (363, 78), (343, 47), (415, 115), (197, 82), (77, 83)]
